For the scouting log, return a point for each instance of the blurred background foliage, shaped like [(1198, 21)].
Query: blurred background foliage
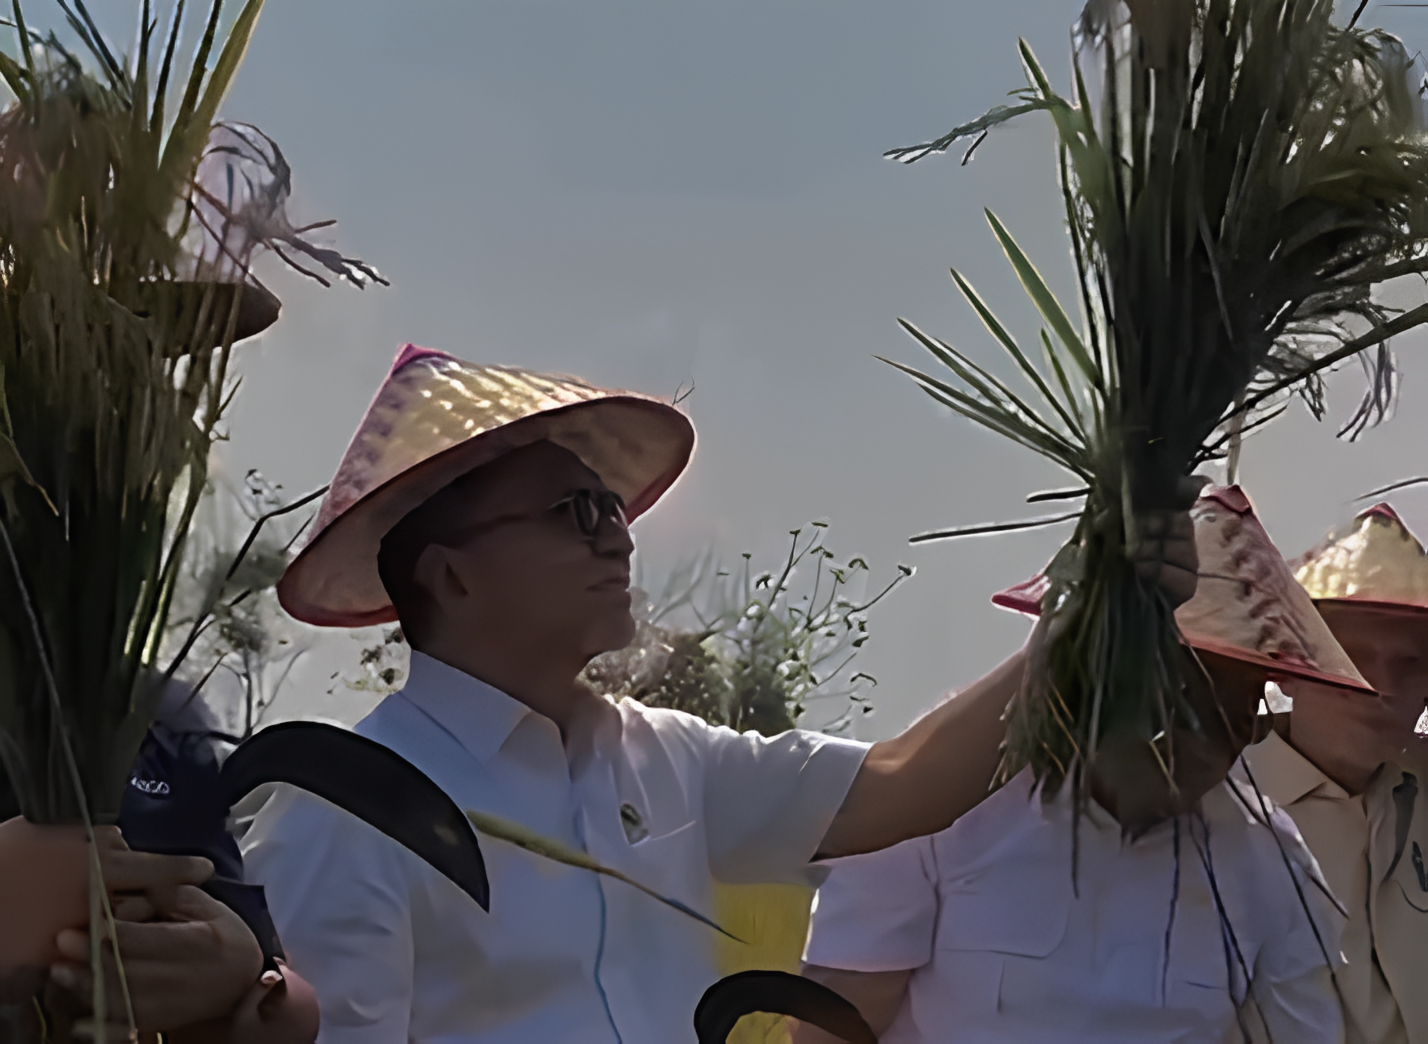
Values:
[(754, 650)]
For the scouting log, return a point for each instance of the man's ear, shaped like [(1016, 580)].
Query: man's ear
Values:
[(437, 575)]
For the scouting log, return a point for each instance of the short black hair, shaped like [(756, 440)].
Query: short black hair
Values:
[(437, 520)]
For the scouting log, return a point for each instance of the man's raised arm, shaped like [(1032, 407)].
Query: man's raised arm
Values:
[(921, 781), (942, 766)]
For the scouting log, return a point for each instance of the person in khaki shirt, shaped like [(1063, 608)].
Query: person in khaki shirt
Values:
[(1348, 769)]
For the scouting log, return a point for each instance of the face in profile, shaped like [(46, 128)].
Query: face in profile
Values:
[(1390, 649), (527, 575), (1128, 779)]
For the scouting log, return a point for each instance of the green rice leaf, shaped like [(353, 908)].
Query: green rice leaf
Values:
[(1046, 304), (14, 76), (181, 147), (1006, 340), (993, 394), (22, 34), (235, 47)]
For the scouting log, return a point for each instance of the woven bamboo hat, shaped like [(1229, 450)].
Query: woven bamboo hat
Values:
[(435, 418), (1247, 605), (1375, 564)]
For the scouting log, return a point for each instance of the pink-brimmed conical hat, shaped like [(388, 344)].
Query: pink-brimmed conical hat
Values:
[(1247, 605), (435, 418), (1375, 562)]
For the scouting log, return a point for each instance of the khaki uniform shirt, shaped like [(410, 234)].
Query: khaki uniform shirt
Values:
[(1371, 848)]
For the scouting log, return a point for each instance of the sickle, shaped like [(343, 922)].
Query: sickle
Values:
[(778, 993), (373, 783)]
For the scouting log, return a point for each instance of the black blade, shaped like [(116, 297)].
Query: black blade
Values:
[(778, 993), (373, 783)]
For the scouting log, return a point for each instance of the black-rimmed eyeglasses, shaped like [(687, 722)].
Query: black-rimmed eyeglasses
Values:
[(590, 507)]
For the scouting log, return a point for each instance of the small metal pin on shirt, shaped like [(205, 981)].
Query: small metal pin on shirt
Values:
[(634, 823)]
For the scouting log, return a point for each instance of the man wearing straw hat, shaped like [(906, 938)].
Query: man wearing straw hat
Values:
[(1348, 768), (1189, 930), (487, 509)]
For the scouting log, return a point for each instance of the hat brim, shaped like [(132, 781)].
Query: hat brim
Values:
[(637, 446), (258, 308), (1024, 599), (1275, 669), (1381, 608)]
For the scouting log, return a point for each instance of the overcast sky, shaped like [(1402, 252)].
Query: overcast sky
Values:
[(654, 193)]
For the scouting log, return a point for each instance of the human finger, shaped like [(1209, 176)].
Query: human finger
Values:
[(1177, 584), (76, 979), (185, 972), (115, 1030), (129, 871), (169, 941), (131, 907), (1179, 525), (73, 944), (176, 941), (108, 838), (77, 982), (281, 1011), (1151, 526), (1188, 489), (1180, 553), (186, 902)]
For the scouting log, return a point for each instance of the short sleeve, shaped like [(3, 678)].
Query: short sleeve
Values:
[(339, 897), (876, 912), (768, 801)]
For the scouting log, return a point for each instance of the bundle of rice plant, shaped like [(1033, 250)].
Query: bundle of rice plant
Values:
[(1238, 177), (128, 221)]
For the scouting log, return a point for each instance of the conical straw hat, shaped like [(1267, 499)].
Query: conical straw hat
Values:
[(435, 418), (1374, 562), (1247, 605)]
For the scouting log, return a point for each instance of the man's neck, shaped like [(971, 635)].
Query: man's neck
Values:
[(545, 685)]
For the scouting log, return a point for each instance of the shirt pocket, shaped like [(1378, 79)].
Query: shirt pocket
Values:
[(1001, 910), (668, 862), (1203, 974), (989, 924)]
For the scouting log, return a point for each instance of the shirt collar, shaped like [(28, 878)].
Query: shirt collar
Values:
[(1284, 774), (479, 716)]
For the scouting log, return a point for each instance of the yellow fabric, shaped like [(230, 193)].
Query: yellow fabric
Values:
[(1385, 943), (773, 921)]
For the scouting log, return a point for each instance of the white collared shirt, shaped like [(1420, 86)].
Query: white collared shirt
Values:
[(396, 952), (1006, 949)]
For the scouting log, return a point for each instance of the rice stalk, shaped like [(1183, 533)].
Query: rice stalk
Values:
[(129, 217), (1238, 177), (523, 837)]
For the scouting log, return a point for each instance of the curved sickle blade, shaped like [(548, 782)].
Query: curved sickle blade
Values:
[(373, 783), (779, 993)]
